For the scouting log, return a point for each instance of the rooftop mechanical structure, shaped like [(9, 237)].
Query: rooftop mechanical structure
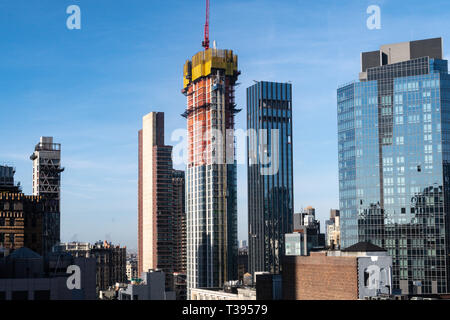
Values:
[(47, 183)]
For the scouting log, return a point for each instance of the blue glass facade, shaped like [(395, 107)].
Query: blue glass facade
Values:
[(270, 185), (394, 152)]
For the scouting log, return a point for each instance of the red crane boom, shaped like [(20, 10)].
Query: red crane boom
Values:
[(205, 43)]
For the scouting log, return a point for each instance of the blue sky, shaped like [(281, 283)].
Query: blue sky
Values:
[(89, 88)]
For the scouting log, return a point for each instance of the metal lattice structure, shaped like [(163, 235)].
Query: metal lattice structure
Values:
[(47, 184)]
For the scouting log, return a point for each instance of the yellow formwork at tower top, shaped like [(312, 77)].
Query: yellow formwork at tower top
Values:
[(204, 62)]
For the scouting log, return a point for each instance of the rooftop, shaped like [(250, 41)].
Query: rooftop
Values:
[(400, 52), (24, 253), (364, 247)]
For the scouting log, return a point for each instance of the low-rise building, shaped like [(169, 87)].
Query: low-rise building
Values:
[(179, 285), (111, 261), (26, 275), (266, 286), (111, 264), (152, 287), (24, 220), (360, 271), (132, 269), (306, 236), (333, 230), (221, 294)]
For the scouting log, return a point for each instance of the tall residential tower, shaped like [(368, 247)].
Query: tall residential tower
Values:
[(394, 153), (209, 82), (270, 184), (155, 209)]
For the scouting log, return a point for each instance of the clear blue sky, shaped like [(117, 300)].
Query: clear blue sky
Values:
[(89, 88)]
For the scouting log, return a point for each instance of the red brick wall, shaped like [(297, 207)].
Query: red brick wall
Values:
[(320, 277)]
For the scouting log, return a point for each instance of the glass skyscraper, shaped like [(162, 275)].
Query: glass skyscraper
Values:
[(394, 152), (270, 186)]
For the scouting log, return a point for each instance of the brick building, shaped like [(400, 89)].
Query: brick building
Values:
[(21, 216), (161, 205), (362, 270), (21, 221), (111, 261)]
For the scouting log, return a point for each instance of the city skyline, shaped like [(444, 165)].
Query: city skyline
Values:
[(61, 89)]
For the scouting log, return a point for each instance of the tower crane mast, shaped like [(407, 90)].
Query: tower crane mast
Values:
[(205, 42)]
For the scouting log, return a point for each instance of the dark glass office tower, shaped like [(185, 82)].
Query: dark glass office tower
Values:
[(394, 153), (270, 186)]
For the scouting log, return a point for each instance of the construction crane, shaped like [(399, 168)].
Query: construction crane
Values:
[(205, 42)]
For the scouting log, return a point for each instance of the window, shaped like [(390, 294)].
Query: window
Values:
[(386, 100), (366, 278), (414, 118), (413, 86), (386, 111), (388, 161)]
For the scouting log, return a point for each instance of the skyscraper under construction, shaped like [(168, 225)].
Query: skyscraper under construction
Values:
[(211, 206)]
